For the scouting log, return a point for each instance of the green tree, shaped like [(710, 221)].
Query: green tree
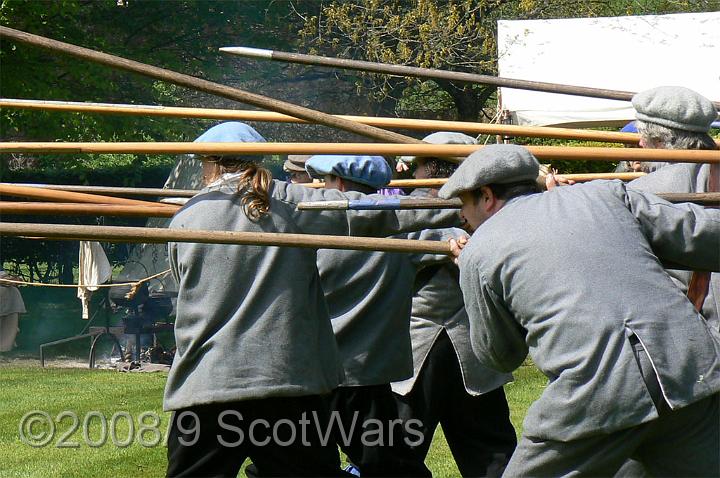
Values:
[(179, 35), (458, 35)]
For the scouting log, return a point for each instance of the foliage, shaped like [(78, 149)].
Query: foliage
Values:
[(455, 35), (133, 32), (178, 35), (458, 35)]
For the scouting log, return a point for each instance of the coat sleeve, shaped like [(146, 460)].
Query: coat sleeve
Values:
[(685, 234), (496, 337), (359, 223), (425, 260)]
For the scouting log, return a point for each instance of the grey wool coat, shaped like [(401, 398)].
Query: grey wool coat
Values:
[(685, 178), (369, 297), (252, 321), (437, 306), (574, 306)]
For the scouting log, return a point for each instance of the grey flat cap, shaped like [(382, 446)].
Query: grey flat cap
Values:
[(449, 137), (493, 164), (675, 107), (442, 137)]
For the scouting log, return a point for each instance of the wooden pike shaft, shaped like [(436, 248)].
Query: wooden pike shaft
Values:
[(186, 193), (161, 235), (566, 153), (380, 122), (112, 191), (204, 85), (115, 210), (386, 203), (705, 199), (75, 209), (582, 177), (67, 196), (437, 182), (402, 70)]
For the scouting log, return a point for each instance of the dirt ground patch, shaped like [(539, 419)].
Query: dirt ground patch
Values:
[(55, 362)]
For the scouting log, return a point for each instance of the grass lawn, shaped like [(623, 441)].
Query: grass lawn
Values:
[(24, 388)]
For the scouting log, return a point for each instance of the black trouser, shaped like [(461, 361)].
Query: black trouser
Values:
[(377, 443), (259, 429), (477, 428)]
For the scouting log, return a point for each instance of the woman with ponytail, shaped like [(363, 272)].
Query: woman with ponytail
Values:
[(253, 182), (256, 355)]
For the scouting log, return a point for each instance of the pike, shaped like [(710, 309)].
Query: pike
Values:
[(206, 86), (187, 193), (112, 190), (438, 182), (162, 235), (269, 116), (705, 199), (84, 209), (392, 204), (166, 211), (451, 151), (411, 71), (74, 197)]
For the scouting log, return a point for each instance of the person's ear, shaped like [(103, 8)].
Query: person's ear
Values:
[(340, 184), (489, 199)]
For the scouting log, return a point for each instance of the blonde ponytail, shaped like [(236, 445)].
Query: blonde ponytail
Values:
[(253, 187)]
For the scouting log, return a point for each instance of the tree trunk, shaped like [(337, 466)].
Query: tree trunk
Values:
[(66, 269), (32, 267), (469, 99), (48, 270)]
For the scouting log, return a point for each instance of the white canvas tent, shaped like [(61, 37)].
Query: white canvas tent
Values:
[(150, 259), (620, 53)]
